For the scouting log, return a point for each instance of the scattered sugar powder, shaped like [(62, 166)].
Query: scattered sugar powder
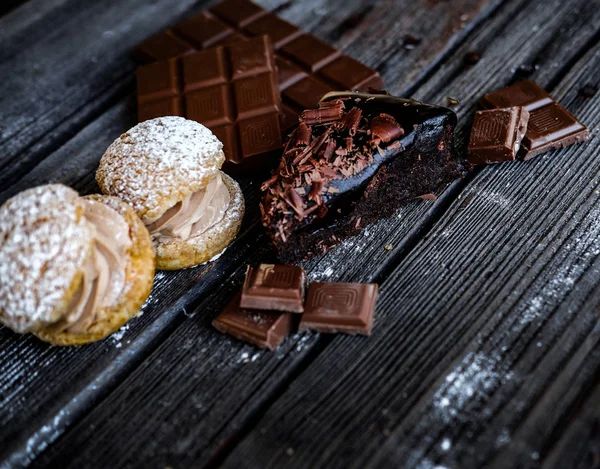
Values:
[(477, 376), (44, 239)]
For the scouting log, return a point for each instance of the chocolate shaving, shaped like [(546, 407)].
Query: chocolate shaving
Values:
[(351, 120), (386, 128), (293, 199), (315, 192), (303, 134)]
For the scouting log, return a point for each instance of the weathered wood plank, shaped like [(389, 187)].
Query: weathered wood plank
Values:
[(199, 392), (486, 334), (579, 447), (78, 378), (62, 63)]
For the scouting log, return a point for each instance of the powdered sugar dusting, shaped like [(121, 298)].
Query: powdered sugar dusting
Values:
[(477, 375), (44, 239), (158, 163)]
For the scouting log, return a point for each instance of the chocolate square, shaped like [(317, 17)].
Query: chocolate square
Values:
[(340, 307), (552, 127), (497, 134), (260, 328), (274, 287), (527, 94)]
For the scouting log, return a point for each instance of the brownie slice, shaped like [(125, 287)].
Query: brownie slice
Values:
[(354, 160)]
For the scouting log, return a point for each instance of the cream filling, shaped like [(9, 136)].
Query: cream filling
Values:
[(104, 271), (194, 215)]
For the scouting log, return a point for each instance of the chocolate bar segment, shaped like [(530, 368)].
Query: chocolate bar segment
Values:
[(299, 55), (230, 89), (340, 307), (497, 134), (527, 94), (355, 152), (260, 328), (550, 125), (274, 287)]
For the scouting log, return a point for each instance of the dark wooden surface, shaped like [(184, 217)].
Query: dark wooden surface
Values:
[(486, 347)]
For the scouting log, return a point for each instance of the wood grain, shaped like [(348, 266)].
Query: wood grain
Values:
[(95, 80), (197, 395), (486, 335)]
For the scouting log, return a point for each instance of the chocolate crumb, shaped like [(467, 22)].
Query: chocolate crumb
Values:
[(410, 42), (588, 91), (472, 58)]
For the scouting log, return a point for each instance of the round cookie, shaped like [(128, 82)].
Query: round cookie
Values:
[(158, 163), (51, 259), (167, 165), (178, 254), (139, 277), (44, 242)]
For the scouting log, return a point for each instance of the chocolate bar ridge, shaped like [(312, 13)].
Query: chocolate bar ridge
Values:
[(385, 152)]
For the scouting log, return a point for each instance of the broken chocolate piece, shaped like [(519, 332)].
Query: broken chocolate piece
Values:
[(550, 125), (497, 134), (340, 307), (275, 287), (527, 94), (382, 153), (260, 328)]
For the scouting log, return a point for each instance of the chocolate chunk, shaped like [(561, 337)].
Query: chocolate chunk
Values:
[(260, 328), (308, 68), (355, 169), (527, 94), (550, 125), (232, 90), (340, 307), (497, 134), (274, 287)]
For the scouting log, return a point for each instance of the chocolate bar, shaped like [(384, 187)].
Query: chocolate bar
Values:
[(231, 89), (308, 67), (355, 152), (274, 287), (340, 307), (550, 125), (260, 328), (497, 134)]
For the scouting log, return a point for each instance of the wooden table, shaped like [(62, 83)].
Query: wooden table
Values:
[(486, 346)]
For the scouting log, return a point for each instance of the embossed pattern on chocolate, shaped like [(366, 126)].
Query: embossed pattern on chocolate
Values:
[(274, 287), (497, 134), (340, 307), (232, 90)]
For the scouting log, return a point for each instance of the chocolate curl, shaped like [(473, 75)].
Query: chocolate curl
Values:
[(349, 143), (303, 134), (269, 182), (313, 147), (294, 200), (385, 128), (329, 149), (351, 120), (315, 192), (330, 113)]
